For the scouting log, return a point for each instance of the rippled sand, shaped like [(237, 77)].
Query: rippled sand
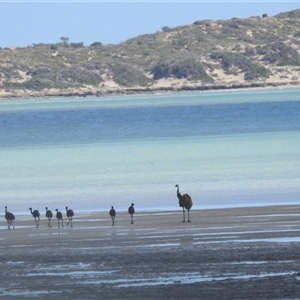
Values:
[(241, 253)]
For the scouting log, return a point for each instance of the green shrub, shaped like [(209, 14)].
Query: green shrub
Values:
[(229, 61), (281, 55), (125, 75), (76, 45), (189, 69), (96, 44)]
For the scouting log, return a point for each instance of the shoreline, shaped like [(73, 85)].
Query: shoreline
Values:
[(95, 92), (263, 206), (104, 215)]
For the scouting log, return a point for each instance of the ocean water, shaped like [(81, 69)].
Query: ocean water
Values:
[(224, 148)]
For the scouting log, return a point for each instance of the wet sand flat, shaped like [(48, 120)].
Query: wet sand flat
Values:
[(234, 253)]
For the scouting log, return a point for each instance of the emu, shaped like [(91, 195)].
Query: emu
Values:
[(49, 215), (9, 218), (59, 218), (185, 201), (36, 215), (70, 215), (112, 214), (131, 211)]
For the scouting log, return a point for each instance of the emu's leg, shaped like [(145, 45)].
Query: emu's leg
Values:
[(189, 216), (183, 214)]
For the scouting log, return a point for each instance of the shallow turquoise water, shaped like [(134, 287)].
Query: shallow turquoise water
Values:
[(230, 148)]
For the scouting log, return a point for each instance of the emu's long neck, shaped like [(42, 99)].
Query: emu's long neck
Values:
[(178, 194)]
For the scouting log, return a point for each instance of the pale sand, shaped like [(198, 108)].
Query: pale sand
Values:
[(281, 77), (238, 253)]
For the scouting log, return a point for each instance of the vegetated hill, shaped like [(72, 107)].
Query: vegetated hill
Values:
[(256, 51)]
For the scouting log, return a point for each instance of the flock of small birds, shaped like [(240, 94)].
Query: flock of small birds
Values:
[(185, 201)]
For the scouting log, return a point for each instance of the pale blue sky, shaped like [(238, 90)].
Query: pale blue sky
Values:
[(23, 23)]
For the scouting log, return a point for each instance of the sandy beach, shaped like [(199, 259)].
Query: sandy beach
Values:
[(233, 253)]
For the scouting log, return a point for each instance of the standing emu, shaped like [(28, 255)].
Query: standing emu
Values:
[(9, 218), (36, 215), (185, 201), (131, 211), (49, 215), (59, 218), (70, 215), (112, 214)]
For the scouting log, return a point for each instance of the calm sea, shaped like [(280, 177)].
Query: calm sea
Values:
[(225, 148)]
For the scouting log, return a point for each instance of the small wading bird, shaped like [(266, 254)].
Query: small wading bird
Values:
[(36, 215), (49, 215), (9, 218), (59, 218), (70, 215), (185, 201), (112, 214), (131, 211)]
